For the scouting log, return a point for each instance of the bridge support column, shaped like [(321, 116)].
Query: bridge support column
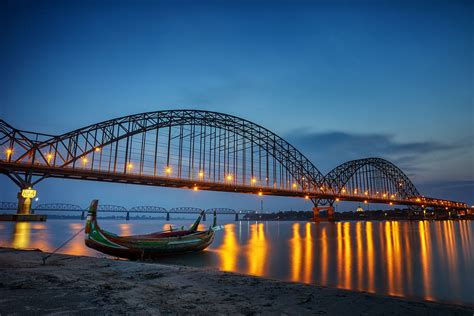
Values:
[(24, 204), (204, 217), (167, 217), (329, 210), (127, 218), (331, 217), (316, 214), (236, 217), (82, 215)]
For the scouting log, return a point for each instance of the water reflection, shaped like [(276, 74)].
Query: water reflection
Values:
[(125, 230), (370, 257), (76, 245), (427, 259), (229, 249), (21, 235), (359, 256), (257, 250), (425, 244), (324, 255), (308, 254), (296, 253)]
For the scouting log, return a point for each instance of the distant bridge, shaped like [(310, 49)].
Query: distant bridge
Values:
[(200, 150), (65, 207)]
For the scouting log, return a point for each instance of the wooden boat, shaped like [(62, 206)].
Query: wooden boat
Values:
[(148, 246)]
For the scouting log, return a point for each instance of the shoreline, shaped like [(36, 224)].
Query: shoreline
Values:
[(78, 284)]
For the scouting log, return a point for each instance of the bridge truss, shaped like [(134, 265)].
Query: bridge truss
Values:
[(198, 150)]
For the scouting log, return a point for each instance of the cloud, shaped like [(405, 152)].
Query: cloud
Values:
[(327, 150)]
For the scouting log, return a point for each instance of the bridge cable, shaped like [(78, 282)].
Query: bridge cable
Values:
[(62, 245)]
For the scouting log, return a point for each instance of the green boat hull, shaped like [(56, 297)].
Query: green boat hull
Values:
[(149, 246)]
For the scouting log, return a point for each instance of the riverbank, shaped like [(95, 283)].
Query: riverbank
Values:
[(78, 285)]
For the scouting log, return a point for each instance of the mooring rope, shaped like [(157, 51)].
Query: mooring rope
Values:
[(62, 245)]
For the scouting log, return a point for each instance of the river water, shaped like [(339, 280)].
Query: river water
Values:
[(433, 260)]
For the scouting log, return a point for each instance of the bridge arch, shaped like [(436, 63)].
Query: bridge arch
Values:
[(371, 177), (203, 146)]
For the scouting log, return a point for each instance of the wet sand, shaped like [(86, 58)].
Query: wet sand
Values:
[(85, 285)]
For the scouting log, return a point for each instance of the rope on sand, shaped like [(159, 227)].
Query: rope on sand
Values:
[(62, 245)]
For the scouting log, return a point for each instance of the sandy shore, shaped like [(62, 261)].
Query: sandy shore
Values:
[(85, 285)]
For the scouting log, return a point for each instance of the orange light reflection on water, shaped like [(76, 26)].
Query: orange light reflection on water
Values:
[(125, 229), (370, 257), (425, 245), (408, 260), (229, 250), (257, 250), (76, 245), (295, 253), (21, 235), (389, 257), (308, 255), (324, 255), (340, 249), (398, 254), (347, 256), (360, 258)]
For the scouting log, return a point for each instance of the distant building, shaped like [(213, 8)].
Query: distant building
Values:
[(359, 209)]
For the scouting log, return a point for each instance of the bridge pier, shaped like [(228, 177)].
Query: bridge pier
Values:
[(331, 216), (82, 215), (204, 217), (316, 214), (24, 204), (167, 217), (236, 217), (127, 218), (330, 212)]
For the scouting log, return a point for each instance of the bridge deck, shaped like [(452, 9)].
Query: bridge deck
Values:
[(166, 181)]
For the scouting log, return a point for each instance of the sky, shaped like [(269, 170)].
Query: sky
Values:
[(339, 80)]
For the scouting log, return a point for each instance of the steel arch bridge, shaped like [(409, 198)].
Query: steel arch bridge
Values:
[(198, 150), (371, 179)]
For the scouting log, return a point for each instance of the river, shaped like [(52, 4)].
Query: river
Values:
[(432, 260)]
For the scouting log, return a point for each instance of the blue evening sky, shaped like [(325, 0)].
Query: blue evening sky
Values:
[(340, 80)]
